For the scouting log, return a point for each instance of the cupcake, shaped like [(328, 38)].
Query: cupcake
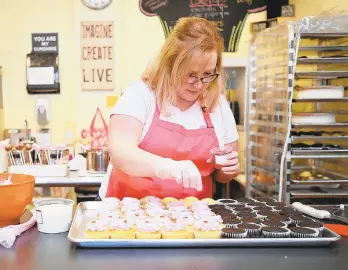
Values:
[(150, 199), (97, 229), (296, 218), (231, 223), (189, 222), (189, 200), (274, 223), (259, 208), (251, 220), (226, 201), (254, 204), (245, 200), (275, 204), (253, 229), (122, 229), (288, 210), (284, 219), (206, 229), (263, 214), (174, 230), (152, 212), (247, 214), (302, 232), (147, 230), (176, 205), (275, 232), (265, 200), (312, 225), (112, 204), (233, 233), (166, 200), (209, 201), (129, 200)]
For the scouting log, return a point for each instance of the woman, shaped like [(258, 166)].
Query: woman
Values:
[(162, 129)]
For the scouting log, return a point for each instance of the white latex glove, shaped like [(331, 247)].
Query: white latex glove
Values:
[(183, 172)]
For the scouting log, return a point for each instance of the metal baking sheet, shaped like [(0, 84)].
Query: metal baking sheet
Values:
[(87, 211)]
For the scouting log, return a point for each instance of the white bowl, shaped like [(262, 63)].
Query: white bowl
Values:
[(54, 215)]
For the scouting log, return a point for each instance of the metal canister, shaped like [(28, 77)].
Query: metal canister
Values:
[(97, 160)]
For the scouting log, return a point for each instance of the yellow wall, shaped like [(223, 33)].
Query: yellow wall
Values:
[(312, 7), (137, 39), (1, 124)]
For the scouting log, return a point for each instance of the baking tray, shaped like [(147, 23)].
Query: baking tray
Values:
[(86, 211)]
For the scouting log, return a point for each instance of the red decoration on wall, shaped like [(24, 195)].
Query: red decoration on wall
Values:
[(98, 131)]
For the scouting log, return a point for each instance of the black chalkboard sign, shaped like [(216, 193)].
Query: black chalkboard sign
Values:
[(228, 15), (44, 42)]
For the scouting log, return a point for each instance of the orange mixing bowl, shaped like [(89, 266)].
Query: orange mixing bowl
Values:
[(15, 197)]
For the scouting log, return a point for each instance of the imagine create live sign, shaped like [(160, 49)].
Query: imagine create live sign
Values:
[(97, 55)]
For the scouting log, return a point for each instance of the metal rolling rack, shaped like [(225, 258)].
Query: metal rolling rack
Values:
[(329, 69), (271, 161)]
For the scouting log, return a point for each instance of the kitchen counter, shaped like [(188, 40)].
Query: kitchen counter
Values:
[(71, 180), (36, 251)]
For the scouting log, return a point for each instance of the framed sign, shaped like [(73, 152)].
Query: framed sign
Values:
[(97, 55), (44, 42), (288, 11)]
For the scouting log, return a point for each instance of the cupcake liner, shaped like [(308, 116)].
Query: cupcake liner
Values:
[(286, 234), (234, 235), (253, 233), (311, 234)]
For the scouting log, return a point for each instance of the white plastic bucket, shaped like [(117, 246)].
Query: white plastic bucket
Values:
[(54, 215)]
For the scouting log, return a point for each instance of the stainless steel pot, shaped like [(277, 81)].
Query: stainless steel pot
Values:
[(97, 160)]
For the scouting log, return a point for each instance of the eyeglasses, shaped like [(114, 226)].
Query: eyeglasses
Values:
[(207, 79)]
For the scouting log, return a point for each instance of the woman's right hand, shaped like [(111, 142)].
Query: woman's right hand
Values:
[(183, 172)]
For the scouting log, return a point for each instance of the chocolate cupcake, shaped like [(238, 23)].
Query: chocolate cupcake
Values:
[(275, 232), (265, 200), (263, 214), (233, 233), (229, 216), (281, 218), (232, 223), (216, 206), (245, 200), (288, 210), (260, 208), (312, 225), (274, 223), (296, 218), (246, 215), (236, 207), (225, 201), (227, 220), (251, 220), (253, 229), (254, 204), (275, 204), (302, 232)]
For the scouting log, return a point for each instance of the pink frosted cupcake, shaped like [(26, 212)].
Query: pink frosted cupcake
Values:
[(207, 229), (146, 230), (122, 229), (112, 204), (153, 212), (151, 199), (97, 229), (189, 221), (176, 205), (175, 230)]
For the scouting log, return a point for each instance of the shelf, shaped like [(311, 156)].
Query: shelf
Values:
[(319, 182), (323, 60), (324, 35), (318, 151), (324, 48), (321, 74), (324, 193), (318, 138), (297, 100), (318, 156), (320, 126)]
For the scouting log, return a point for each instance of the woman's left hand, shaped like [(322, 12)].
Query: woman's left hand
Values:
[(231, 166)]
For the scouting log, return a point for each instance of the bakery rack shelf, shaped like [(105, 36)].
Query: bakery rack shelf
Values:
[(318, 138), (345, 99), (326, 35), (333, 125), (321, 74), (320, 192), (318, 156), (323, 60), (324, 48), (320, 182)]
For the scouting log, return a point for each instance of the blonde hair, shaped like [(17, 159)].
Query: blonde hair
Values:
[(166, 73)]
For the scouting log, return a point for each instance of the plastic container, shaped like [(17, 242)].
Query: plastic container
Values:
[(220, 156), (54, 215)]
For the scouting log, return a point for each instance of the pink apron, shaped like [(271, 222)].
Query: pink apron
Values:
[(169, 140)]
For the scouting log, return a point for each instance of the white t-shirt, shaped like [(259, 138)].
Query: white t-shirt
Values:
[(139, 102)]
